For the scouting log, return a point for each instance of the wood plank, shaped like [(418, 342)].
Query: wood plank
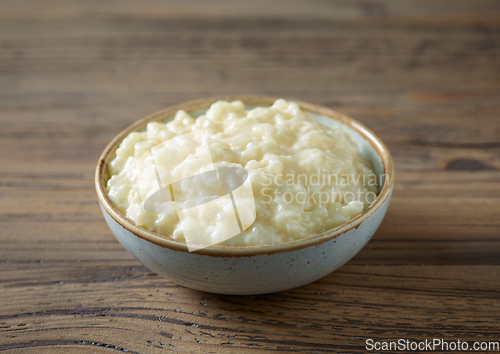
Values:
[(424, 75)]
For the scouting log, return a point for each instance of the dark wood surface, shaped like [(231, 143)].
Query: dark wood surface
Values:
[(424, 75)]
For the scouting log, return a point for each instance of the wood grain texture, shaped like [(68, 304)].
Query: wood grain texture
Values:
[(424, 75)]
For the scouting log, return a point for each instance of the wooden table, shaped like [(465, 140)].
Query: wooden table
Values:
[(424, 75)]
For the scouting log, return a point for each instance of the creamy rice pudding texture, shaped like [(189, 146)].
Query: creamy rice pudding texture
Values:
[(306, 178)]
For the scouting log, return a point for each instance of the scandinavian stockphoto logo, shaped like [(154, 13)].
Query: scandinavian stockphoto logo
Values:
[(212, 206)]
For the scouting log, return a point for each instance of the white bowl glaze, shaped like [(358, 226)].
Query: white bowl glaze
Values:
[(253, 269)]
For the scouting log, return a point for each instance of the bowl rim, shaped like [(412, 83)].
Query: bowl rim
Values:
[(238, 251)]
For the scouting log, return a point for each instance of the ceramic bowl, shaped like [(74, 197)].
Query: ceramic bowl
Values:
[(252, 269)]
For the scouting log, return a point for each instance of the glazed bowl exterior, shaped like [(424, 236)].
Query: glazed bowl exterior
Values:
[(247, 270)]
